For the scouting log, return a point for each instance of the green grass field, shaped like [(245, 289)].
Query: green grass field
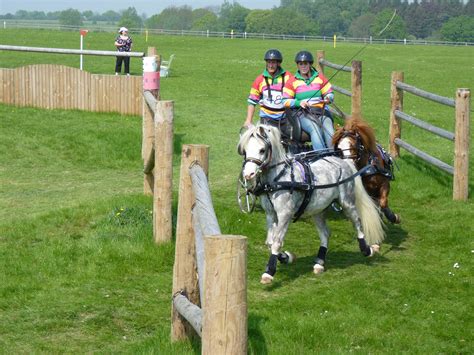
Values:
[(79, 271)]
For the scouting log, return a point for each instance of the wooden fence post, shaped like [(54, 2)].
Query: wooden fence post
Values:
[(319, 66), (461, 145), (163, 172), (224, 327), (396, 98), (148, 135), (356, 89), (184, 271)]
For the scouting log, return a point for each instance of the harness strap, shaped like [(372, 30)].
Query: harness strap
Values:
[(308, 194), (301, 186)]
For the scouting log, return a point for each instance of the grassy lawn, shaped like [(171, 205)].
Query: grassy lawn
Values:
[(79, 271)]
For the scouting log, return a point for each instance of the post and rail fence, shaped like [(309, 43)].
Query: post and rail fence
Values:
[(461, 135), (356, 84), (51, 86), (210, 269)]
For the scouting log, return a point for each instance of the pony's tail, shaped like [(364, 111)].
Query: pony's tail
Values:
[(371, 220)]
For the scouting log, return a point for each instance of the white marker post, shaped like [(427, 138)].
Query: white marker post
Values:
[(83, 34)]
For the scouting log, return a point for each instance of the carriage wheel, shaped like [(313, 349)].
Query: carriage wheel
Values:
[(245, 198)]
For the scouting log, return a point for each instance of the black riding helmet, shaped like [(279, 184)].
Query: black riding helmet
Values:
[(304, 56), (273, 54)]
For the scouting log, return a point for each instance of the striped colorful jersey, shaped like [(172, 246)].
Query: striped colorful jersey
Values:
[(267, 91), (299, 89)]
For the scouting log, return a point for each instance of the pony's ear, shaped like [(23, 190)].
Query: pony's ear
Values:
[(261, 131)]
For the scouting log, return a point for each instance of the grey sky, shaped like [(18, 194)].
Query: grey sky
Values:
[(148, 7)]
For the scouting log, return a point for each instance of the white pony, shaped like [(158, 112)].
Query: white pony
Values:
[(285, 185)]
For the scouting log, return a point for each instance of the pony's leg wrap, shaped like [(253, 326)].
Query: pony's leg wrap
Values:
[(321, 258), (364, 248), (392, 217), (272, 265)]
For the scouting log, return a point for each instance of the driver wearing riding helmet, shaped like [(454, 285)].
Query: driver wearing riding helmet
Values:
[(267, 91), (308, 92)]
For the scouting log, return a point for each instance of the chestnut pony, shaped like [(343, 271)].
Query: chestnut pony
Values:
[(356, 140)]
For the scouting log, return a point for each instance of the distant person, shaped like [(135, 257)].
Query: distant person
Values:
[(267, 92), (307, 93), (124, 44)]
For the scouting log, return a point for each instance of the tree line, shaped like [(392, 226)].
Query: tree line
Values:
[(450, 20)]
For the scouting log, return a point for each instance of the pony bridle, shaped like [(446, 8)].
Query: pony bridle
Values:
[(261, 163), (359, 147)]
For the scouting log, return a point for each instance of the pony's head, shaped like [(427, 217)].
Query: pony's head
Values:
[(355, 137), (260, 145)]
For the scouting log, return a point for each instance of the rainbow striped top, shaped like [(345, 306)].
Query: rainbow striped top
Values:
[(311, 90), (267, 91)]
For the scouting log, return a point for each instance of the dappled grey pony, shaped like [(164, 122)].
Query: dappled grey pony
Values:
[(284, 184)]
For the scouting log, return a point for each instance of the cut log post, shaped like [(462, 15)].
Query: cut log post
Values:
[(319, 66), (148, 133), (224, 327), (461, 145), (163, 172), (184, 271), (396, 98), (356, 89)]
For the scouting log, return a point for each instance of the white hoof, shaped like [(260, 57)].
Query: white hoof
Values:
[(266, 279), (374, 248), (318, 269), (291, 257)]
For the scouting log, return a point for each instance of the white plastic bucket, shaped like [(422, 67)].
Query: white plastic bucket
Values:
[(149, 64)]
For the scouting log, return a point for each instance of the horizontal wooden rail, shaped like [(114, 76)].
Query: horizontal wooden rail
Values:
[(189, 311), (426, 157), (150, 100), (337, 113), (204, 218), (422, 124), (342, 90), (335, 66), (71, 51), (425, 94)]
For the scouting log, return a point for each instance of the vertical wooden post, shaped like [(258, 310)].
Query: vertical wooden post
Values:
[(319, 66), (396, 98), (184, 271), (148, 133), (356, 89), (461, 145), (224, 328), (163, 172)]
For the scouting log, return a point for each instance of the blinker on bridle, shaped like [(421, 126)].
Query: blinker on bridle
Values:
[(359, 147), (268, 154)]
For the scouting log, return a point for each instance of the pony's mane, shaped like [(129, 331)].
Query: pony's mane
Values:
[(357, 125), (269, 132)]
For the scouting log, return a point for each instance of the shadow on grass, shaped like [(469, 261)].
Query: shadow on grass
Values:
[(177, 139), (440, 176), (340, 259), (256, 340)]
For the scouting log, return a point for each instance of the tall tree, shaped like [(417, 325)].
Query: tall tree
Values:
[(172, 18), (232, 16), (204, 19), (459, 29), (360, 27), (70, 17), (396, 29), (130, 19)]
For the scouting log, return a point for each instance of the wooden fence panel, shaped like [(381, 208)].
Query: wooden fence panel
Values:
[(59, 87)]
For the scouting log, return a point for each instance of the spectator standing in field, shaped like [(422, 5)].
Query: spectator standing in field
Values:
[(124, 44)]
